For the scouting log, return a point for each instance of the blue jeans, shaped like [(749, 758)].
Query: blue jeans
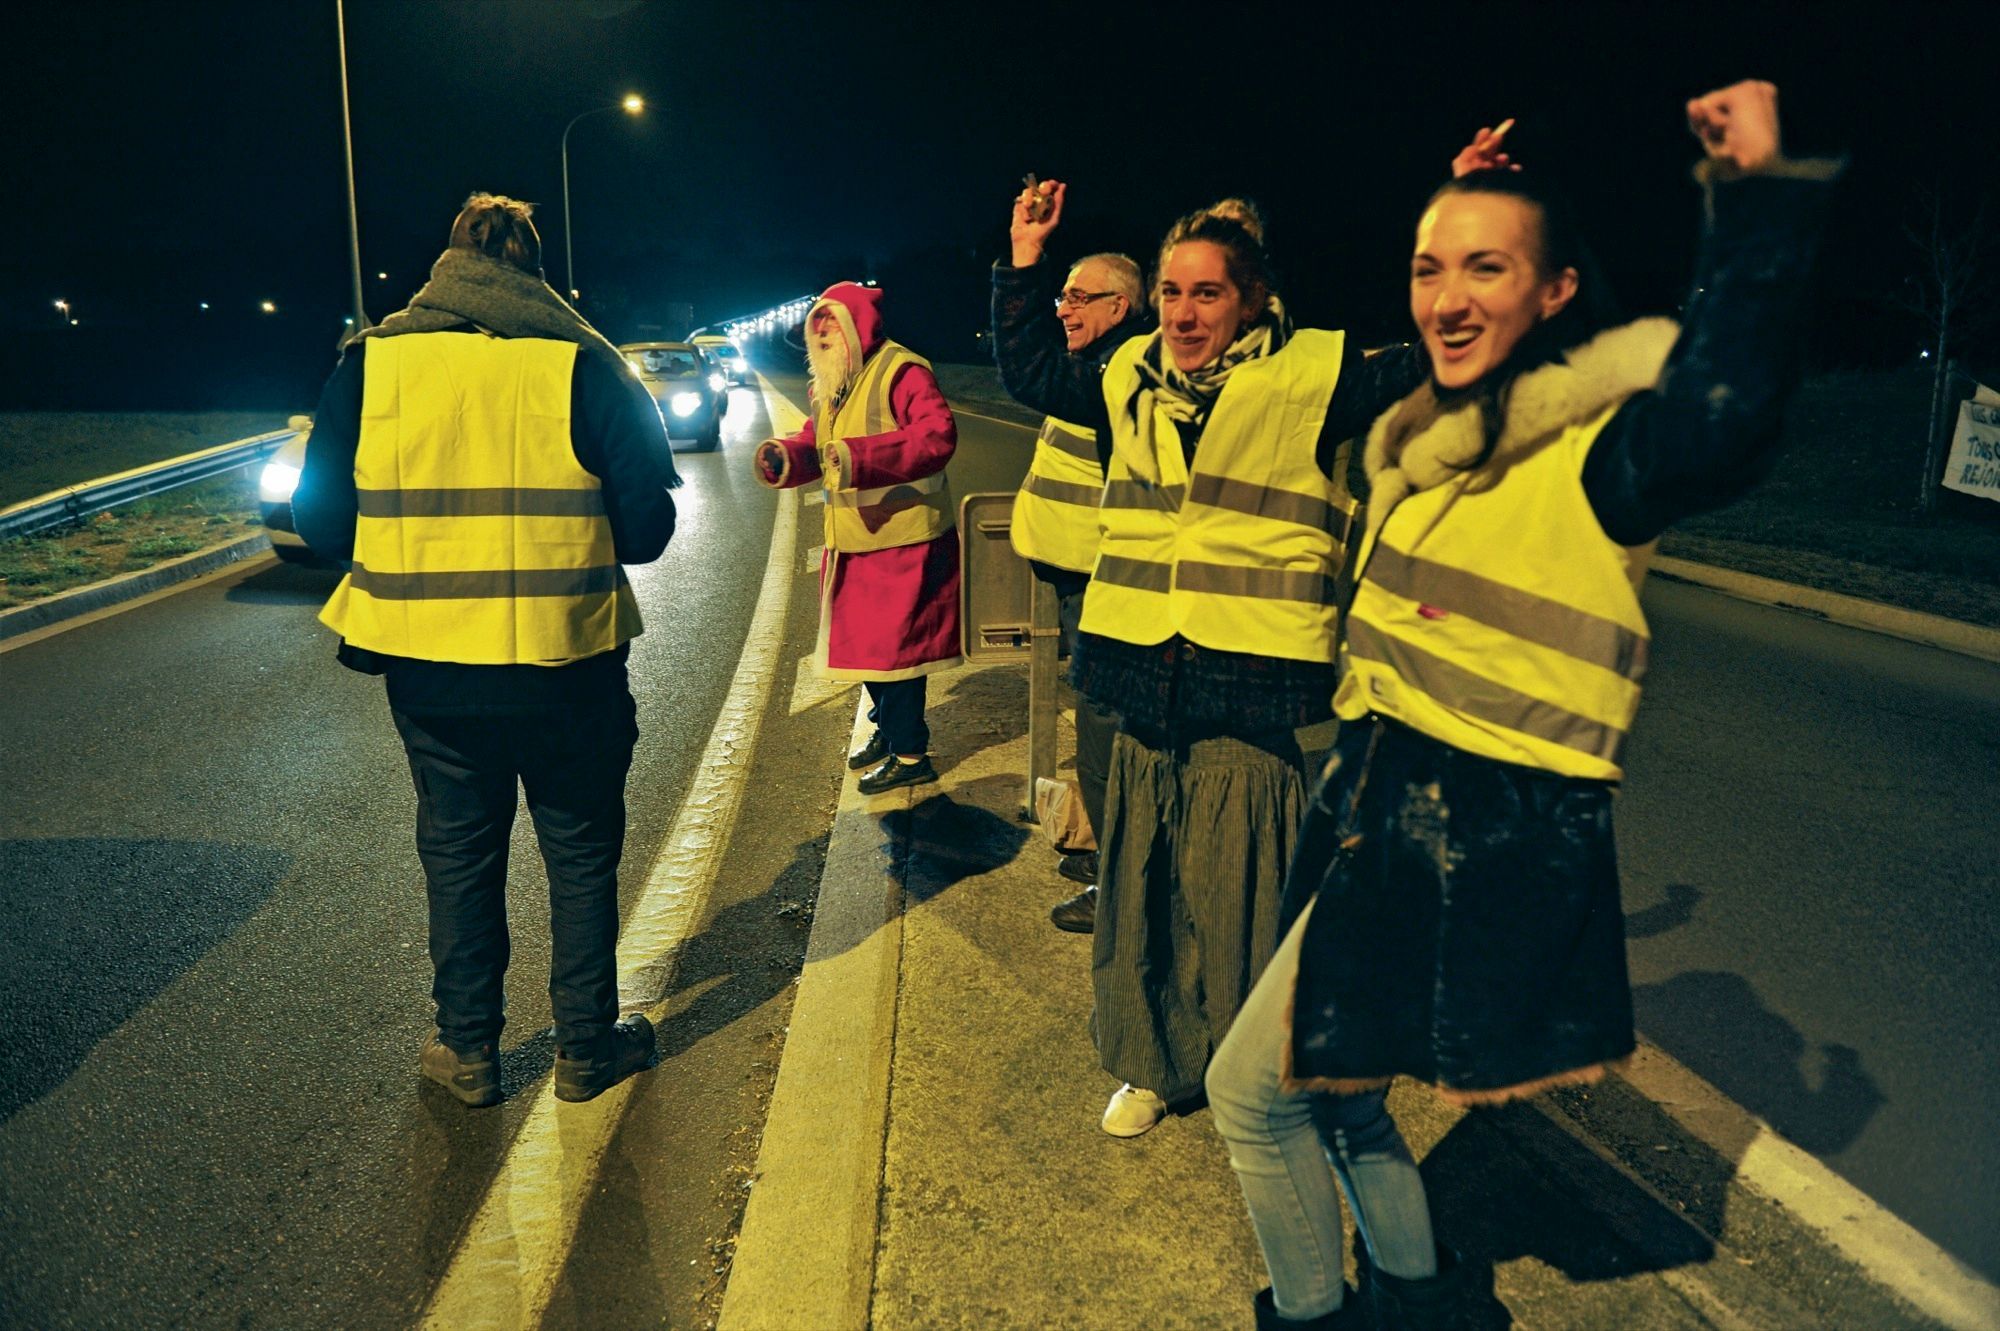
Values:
[(1281, 1143)]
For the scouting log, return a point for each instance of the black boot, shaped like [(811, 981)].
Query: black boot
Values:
[(1458, 1298), (1349, 1316)]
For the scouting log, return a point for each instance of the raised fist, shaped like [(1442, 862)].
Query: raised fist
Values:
[(1738, 125)]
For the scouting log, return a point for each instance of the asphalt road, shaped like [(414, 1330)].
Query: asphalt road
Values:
[(1808, 850), (212, 964), (213, 970)]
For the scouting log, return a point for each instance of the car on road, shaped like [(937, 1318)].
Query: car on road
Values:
[(726, 354), (693, 392), (275, 484)]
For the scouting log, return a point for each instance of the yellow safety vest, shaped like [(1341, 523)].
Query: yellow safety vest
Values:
[(1055, 513), (885, 516), (1494, 614), (1239, 555), (481, 539)]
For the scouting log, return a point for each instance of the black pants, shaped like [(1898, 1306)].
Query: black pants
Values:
[(572, 761), (896, 706), (1096, 724)]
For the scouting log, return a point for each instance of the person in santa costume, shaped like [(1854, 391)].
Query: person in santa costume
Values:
[(877, 439)]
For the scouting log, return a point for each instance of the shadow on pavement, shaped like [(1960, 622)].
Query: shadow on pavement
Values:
[(96, 927), (950, 842), (1723, 1031), (287, 584), (736, 965), (1667, 916)]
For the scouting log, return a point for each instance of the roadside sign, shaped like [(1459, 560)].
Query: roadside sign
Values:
[(1974, 465)]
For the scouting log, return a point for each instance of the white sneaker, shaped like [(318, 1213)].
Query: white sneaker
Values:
[(1132, 1111)]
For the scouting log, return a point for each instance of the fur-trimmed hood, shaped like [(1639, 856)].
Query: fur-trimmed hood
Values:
[(1421, 442)]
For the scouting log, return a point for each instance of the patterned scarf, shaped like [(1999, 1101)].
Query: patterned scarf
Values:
[(1187, 397), (466, 287)]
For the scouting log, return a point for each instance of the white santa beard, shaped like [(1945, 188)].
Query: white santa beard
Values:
[(831, 370)]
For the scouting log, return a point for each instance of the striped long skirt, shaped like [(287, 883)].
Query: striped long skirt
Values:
[(1197, 837)]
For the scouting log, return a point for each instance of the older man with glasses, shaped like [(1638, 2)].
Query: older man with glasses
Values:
[(1098, 306)]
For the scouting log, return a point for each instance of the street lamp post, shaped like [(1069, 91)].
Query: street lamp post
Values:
[(360, 320), (631, 105)]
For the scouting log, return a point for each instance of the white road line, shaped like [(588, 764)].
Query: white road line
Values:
[(1887, 1248), (505, 1269), (961, 411)]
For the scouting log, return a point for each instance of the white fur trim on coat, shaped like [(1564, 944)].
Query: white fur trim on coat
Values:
[(1417, 443)]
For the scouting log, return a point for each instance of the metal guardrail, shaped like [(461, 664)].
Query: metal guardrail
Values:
[(77, 502)]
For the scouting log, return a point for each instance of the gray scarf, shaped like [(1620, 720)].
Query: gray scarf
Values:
[(466, 287)]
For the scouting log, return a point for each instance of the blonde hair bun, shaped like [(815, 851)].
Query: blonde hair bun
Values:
[(1242, 212)]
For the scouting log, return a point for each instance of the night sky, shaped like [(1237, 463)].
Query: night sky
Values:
[(165, 154)]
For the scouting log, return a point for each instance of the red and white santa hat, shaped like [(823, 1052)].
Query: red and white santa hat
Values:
[(858, 311)]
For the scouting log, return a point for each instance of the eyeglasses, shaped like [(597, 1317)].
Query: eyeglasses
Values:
[(1081, 298)]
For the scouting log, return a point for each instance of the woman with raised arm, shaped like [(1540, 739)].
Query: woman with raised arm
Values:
[(1453, 912), (1208, 625)]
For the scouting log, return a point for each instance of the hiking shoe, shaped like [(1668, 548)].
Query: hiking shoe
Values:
[(1079, 866), (1078, 915), (895, 772), (869, 754), (628, 1049), (473, 1078), (1133, 1111)]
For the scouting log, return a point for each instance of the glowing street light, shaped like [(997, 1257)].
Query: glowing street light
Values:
[(632, 105), (268, 306)]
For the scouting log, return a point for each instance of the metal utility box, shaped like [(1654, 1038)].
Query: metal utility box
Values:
[(1006, 614), (999, 588)]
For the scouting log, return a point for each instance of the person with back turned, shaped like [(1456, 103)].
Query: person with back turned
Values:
[(489, 464)]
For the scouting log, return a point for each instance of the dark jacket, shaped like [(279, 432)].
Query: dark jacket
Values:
[(1468, 930), (1038, 367), (613, 441), (1176, 686)]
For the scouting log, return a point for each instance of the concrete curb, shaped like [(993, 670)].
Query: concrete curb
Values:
[(1952, 635), (81, 601), (1891, 1252), (805, 1256)]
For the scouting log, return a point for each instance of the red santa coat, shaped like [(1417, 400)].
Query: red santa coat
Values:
[(893, 613)]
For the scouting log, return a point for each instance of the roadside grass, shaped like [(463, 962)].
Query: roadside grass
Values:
[(42, 451), (127, 539), (1839, 509)]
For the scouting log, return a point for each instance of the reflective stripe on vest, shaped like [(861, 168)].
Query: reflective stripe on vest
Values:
[(1242, 554), (1500, 619), (480, 538), (891, 515), (1055, 513)]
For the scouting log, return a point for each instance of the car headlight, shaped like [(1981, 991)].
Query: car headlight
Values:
[(717, 382), (685, 404), (277, 482)]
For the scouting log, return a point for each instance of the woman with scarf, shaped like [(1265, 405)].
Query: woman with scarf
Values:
[(1453, 912), (1209, 621)]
